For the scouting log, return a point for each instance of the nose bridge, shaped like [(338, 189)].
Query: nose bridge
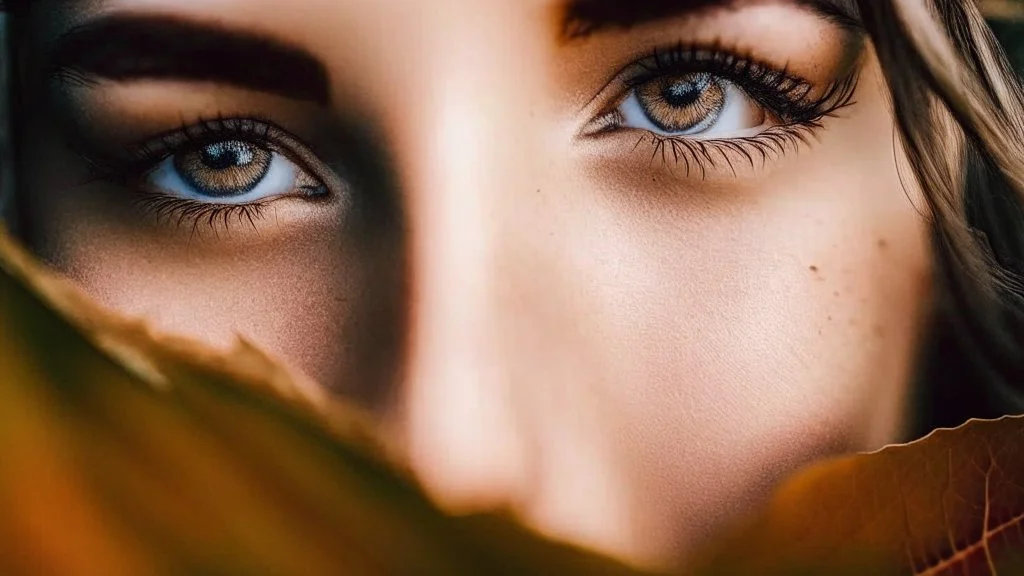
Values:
[(459, 419)]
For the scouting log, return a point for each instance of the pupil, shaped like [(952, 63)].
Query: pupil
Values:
[(685, 92), (224, 155)]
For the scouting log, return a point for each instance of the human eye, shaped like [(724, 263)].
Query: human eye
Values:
[(700, 105), (696, 104), (214, 171)]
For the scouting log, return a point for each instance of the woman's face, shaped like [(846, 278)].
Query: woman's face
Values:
[(616, 265)]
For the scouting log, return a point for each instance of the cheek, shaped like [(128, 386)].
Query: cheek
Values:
[(759, 329), (769, 346)]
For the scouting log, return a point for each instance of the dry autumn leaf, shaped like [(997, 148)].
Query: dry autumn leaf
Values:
[(121, 453), (949, 504)]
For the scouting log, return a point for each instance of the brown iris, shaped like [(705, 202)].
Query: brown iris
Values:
[(228, 168), (682, 103)]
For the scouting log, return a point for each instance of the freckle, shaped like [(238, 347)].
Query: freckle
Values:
[(813, 268), (883, 243), (878, 331), (830, 318), (836, 293)]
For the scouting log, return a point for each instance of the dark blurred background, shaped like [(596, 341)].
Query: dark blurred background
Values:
[(1007, 20), (1012, 36), (1011, 33)]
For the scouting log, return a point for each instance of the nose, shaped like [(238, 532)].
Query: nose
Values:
[(464, 436), (502, 400), (461, 417)]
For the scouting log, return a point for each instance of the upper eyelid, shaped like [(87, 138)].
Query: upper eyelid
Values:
[(260, 132), (771, 86), (622, 78), (136, 159), (210, 130), (713, 54), (708, 56)]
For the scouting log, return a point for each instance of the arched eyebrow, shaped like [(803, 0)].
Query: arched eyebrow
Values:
[(582, 18), (137, 47)]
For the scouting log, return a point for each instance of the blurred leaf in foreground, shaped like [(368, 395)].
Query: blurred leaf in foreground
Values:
[(949, 504), (123, 453)]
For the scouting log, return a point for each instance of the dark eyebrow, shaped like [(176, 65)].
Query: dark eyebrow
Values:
[(585, 17), (134, 47)]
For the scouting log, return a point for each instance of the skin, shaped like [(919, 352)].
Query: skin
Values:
[(624, 355)]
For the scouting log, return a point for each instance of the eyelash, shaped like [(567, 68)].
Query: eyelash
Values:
[(787, 97), (182, 210), (143, 157), (202, 132)]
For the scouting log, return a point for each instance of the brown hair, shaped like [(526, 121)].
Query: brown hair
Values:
[(955, 97)]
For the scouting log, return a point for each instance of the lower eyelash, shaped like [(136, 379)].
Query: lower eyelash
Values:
[(708, 154), (182, 211)]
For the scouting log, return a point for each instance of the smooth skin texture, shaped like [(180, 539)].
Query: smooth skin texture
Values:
[(625, 353)]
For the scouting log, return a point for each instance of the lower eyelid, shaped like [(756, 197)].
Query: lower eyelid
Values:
[(685, 158)]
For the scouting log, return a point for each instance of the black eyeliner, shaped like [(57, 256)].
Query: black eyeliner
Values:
[(789, 97), (794, 102), (139, 158)]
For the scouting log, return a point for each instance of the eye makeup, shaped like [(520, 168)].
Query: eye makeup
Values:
[(791, 98), (214, 172), (791, 108), (202, 144)]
